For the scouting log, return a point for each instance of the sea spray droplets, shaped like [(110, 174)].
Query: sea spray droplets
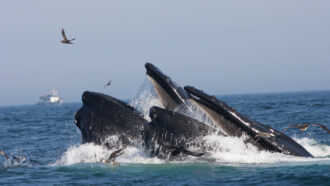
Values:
[(192, 110), (145, 99)]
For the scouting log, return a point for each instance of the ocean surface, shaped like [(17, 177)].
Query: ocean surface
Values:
[(51, 143)]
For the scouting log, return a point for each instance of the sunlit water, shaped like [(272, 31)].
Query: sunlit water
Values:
[(52, 145)]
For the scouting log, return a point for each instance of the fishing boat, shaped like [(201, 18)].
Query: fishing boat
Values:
[(51, 98)]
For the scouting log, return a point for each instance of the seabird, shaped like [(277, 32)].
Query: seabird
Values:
[(108, 84), (303, 127), (113, 156), (4, 154), (17, 159), (66, 40)]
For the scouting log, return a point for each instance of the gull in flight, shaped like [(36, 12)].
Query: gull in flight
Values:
[(303, 127), (66, 40), (108, 84)]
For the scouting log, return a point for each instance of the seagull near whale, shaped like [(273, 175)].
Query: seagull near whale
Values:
[(113, 156), (17, 159), (108, 84), (303, 127), (4, 154), (65, 39)]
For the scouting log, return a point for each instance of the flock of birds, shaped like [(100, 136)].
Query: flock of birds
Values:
[(111, 159)]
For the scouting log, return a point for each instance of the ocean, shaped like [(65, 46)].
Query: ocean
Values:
[(51, 143)]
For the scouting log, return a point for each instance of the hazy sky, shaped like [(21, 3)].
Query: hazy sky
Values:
[(222, 47)]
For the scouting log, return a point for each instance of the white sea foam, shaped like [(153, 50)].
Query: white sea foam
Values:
[(234, 150), (225, 150), (91, 153)]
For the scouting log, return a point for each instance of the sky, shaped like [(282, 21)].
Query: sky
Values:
[(221, 47)]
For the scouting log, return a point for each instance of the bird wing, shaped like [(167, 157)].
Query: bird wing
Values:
[(323, 126), (286, 128), (4, 154), (116, 153), (63, 34), (108, 84)]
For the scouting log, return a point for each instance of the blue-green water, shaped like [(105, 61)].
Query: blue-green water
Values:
[(51, 143)]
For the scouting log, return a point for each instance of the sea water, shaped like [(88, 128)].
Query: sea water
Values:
[(51, 142)]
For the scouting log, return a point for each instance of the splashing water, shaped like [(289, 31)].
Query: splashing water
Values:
[(190, 109), (91, 153), (225, 150), (145, 99)]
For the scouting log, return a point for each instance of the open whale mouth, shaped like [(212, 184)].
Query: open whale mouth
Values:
[(170, 93)]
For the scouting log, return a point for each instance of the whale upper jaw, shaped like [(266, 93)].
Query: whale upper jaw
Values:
[(169, 92)]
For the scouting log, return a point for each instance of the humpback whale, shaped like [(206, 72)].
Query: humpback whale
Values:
[(235, 124), (102, 116), (172, 133)]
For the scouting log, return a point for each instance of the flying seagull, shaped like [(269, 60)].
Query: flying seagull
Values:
[(113, 156), (66, 40), (108, 84), (303, 127)]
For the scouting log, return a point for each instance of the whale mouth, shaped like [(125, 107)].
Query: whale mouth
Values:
[(170, 93)]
